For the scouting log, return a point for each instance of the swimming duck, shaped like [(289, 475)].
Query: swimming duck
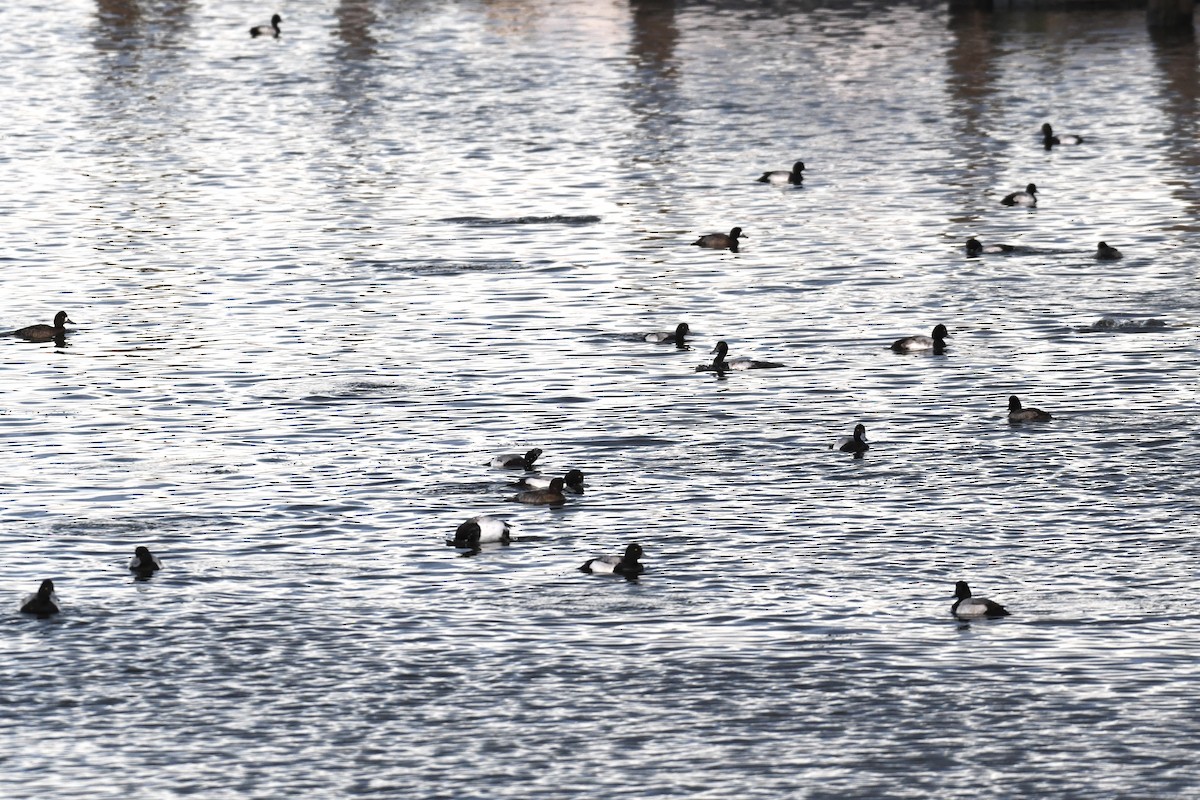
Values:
[(144, 563), (44, 333), (1026, 198), (719, 241), (1018, 414), (719, 363), (975, 248), (968, 607), (552, 495), (782, 176), (517, 460), (626, 565), (1106, 253), (43, 602), (481, 530), (913, 344), (669, 337), (572, 482), (267, 30), (856, 443), (1049, 139)]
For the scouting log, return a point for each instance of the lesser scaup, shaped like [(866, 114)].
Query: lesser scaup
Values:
[(1106, 253), (719, 364), (144, 563), (552, 495), (482, 529), (1026, 198), (975, 247), (782, 176), (267, 30), (720, 241), (968, 607), (572, 482), (626, 565), (44, 333), (43, 603), (915, 344), (856, 443), (669, 337), (1018, 414), (517, 460), (1049, 139)]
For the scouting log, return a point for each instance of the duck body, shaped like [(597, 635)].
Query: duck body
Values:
[(572, 482), (43, 602), (482, 529), (1049, 139), (720, 364), (856, 443), (968, 607), (976, 248), (44, 333), (1027, 198), (720, 241), (1104, 252), (552, 495), (915, 344), (144, 563), (267, 30), (517, 460), (669, 337), (626, 565), (1018, 414), (781, 177)]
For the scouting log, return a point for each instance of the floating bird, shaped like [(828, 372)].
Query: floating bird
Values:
[(1049, 139), (552, 495), (856, 443), (267, 30), (719, 363), (1018, 414), (626, 565), (669, 337), (44, 333), (968, 607), (915, 344), (719, 241), (517, 460), (1026, 198), (782, 176), (481, 530), (43, 603), (144, 563), (572, 482), (975, 248), (1106, 253)]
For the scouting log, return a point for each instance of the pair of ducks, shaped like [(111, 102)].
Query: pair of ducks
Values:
[(44, 602), (1104, 252), (486, 529), (909, 344)]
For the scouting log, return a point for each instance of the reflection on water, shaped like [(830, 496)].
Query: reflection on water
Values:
[(319, 281)]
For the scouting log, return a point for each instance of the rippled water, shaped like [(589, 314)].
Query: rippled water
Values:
[(319, 281)]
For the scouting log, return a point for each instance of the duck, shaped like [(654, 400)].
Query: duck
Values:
[(669, 337), (1106, 253), (1049, 139), (267, 30), (968, 607), (144, 563), (782, 176), (975, 247), (552, 495), (517, 460), (1026, 198), (1018, 414), (856, 443), (43, 603), (572, 482), (720, 241), (913, 344), (482, 529), (626, 565), (719, 363), (44, 333)]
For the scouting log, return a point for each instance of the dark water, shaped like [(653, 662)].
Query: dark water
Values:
[(318, 282)]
